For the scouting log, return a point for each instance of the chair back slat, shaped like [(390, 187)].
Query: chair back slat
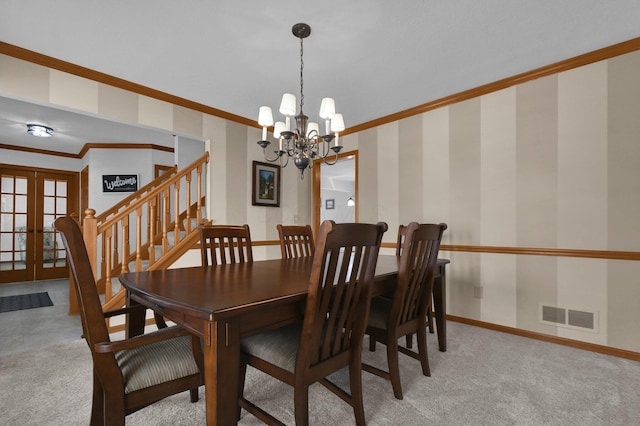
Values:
[(402, 232), (94, 327), (339, 290), (222, 244), (296, 241), (418, 260)]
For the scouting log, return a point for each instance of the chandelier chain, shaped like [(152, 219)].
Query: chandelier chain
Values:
[(301, 77)]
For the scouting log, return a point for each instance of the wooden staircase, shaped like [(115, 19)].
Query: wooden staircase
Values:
[(148, 230)]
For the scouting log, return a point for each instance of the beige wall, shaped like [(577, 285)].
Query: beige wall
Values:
[(552, 163)]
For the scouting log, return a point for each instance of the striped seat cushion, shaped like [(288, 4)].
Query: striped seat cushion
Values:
[(156, 363), (279, 346)]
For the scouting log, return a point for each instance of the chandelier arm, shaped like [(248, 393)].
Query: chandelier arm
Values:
[(286, 160), (331, 163), (329, 148), (264, 144), (325, 148), (272, 160)]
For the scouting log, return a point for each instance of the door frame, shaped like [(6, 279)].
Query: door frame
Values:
[(315, 188)]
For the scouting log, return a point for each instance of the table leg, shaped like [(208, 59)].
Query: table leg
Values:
[(135, 321), (440, 307), (221, 369)]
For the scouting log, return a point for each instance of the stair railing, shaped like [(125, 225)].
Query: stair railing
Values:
[(149, 231)]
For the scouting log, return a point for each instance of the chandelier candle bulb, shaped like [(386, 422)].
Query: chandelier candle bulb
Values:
[(265, 119), (337, 126), (327, 111), (277, 129), (311, 127), (288, 105)]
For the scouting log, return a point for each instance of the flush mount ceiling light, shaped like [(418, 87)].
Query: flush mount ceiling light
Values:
[(304, 143), (39, 130)]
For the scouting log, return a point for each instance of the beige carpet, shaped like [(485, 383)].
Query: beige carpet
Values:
[(485, 378)]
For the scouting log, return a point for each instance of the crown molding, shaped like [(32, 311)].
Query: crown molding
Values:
[(86, 148), (568, 64), (68, 67)]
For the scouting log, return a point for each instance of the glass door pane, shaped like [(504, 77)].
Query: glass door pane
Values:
[(16, 233), (51, 259)]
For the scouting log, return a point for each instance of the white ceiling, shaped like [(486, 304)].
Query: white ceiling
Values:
[(72, 129), (375, 57)]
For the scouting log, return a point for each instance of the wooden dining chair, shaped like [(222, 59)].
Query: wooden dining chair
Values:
[(296, 241), (406, 312), (133, 373), (402, 232), (330, 336), (221, 244)]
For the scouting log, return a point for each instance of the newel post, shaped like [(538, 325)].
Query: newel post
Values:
[(90, 235)]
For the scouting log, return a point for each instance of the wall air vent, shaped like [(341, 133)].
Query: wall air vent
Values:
[(576, 319), (581, 319), (553, 314)]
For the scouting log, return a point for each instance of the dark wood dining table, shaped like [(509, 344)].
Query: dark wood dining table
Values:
[(224, 303)]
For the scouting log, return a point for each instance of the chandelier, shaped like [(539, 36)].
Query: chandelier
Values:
[(304, 143)]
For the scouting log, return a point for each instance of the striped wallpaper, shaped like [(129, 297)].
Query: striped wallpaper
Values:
[(551, 163)]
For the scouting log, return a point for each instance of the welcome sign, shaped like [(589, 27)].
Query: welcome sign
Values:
[(119, 183)]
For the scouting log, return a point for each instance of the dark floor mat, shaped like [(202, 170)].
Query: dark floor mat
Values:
[(25, 301)]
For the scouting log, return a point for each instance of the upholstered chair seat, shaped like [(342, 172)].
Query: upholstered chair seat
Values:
[(156, 363), (379, 312), (279, 346)]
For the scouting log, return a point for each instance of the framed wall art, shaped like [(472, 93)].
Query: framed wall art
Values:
[(265, 185), (330, 204)]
